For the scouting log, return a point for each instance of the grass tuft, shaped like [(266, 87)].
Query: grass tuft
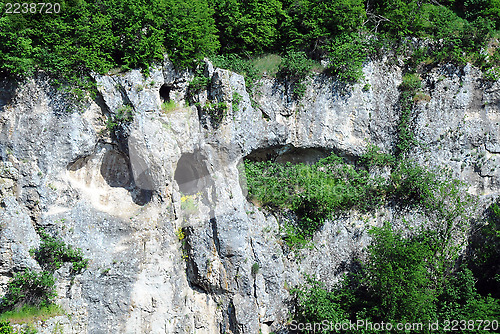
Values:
[(168, 106), (30, 314)]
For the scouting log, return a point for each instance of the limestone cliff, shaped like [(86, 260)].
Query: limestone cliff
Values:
[(158, 204)]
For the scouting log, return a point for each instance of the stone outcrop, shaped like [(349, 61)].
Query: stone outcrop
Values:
[(158, 203)]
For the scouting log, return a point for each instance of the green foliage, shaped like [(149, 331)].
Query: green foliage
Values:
[(189, 29), (247, 26), (101, 35), (30, 314), (485, 252), (408, 88), (215, 112), (124, 114), (313, 192), (316, 192), (399, 17), (6, 328), (316, 303), (37, 289), (311, 24), (29, 288), (411, 82), (294, 69), (98, 36), (53, 252), (200, 81), (347, 52), (373, 157), (239, 65), (168, 106), (404, 279), (236, 101), (255, 269), (404, 275)]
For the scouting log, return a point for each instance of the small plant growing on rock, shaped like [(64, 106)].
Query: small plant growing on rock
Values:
[(180, 234), (53, 252), (123, 115), (255, 269), (236, 101), (294, 69), (200, 81)]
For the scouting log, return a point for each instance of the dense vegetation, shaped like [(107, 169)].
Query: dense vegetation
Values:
[(405, 280), (30, 289), (89, 35), (317, 191), (420, 276)]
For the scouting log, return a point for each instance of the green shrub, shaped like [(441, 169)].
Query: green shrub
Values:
[(313, 192), (6, 328), (215, 112), (316, 304), (53, 252), (295, 66), (411, 82), (294, 69), (236, 101), (316, 192), (236, 63), (255, 269), (199, 82), (408, 88), (168, 106), (373, 157), (404, 279), (29, 288), (124, 114), (347, 52)]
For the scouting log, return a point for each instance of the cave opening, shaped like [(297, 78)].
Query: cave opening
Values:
[(165, 93)]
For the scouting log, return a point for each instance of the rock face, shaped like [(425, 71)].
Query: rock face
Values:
[(158, 203)]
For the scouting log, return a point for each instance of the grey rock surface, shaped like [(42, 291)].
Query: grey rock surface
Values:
[(158, 204)]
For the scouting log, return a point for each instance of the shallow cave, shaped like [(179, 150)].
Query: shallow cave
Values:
[(115, 169), (191, 173), (289, 153)]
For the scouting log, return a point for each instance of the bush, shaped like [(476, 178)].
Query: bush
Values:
[(373, 157), (236, 63), (484, 252), (255, 269), (313, 192), (404, 279), (124, 114), (411, 82), (200, 81), (6, 328), (294, 69), (53, 252), (347, 52), (29, 288), (215, 112)]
